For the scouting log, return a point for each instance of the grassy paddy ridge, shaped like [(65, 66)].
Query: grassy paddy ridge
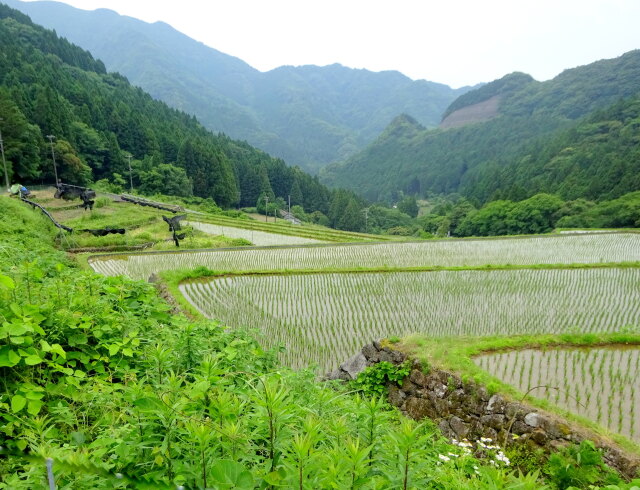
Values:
[(256, 237), (316, 232), (145, 228)]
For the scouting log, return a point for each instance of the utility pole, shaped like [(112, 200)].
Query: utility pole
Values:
[(130, 174), (4, 162), (266, 208), (289, 203), (366, 220), (53, 156)]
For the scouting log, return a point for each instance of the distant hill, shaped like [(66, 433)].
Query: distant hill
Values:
[(309, 115), (503, 139)]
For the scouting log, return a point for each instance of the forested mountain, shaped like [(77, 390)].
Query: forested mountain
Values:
[(50, 87), (576, 135), (309, 116)]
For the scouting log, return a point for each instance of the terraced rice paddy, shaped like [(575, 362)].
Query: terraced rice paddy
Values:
[(326, 311), (322, 318), (565, 249), (601, 384), (259, 238)]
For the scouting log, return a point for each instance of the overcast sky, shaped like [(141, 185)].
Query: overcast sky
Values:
[(457, 42)]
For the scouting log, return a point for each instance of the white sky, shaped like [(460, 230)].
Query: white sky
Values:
[(457, 42)]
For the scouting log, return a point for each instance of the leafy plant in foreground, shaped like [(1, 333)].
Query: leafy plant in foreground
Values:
[(579, 466)]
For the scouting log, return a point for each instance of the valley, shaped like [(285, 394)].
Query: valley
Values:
[(314, 277)]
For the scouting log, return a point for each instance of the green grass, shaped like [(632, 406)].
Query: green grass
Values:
[(144, 227), (204, 272)]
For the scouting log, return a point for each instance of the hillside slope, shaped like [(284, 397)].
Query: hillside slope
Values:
[(479, 158), (308, 115)]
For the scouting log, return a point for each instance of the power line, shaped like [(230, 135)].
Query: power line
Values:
[(53, 157)]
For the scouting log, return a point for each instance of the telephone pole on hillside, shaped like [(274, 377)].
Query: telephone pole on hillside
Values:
[(53, 157), (128, 156), (4, 162)]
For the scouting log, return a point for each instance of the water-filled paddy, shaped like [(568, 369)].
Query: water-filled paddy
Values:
[(325, 318), (259, 238), (561, 249), (601, 384)]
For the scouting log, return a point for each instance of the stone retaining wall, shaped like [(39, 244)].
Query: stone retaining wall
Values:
[(466, 409)]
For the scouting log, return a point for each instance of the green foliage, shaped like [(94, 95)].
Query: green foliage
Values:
[(409, 206), (165, 179), (617, 213), (527, 458), (399, 231), (579, 466), (381, 219), (540, 213), (373, 380), (537, 214)]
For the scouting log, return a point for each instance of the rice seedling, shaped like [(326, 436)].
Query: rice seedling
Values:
[(321, 318), (562, 249), (606, 392)]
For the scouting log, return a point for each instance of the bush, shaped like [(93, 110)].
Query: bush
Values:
[(373, 380), (579, 466), (399, 231)]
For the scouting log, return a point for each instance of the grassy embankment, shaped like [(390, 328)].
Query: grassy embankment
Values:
[(144, 226), (146, 229)]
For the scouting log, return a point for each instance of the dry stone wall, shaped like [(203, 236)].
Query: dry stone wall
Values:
[(466, 410)]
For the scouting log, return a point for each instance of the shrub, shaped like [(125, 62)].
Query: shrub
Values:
[(579, 466), (373, 380)]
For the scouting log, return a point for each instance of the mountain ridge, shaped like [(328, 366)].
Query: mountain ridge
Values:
[(294, 113), (479, 160)]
